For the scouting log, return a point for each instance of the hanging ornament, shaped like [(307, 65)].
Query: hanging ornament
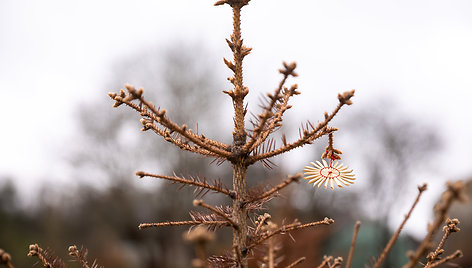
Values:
[(335, 173)]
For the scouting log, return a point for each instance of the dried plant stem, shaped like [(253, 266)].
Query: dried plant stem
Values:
[(237, 253), (238, 157), (456, 254), (239, 94), (216, 211), (276, 121), (394, 238), (353, 244), (290, 227), (185, 181), (278, 187), (437, 251), (450, 227), (36, 250), (271, 254), (201, 140), (265, 116), (240, 211), (307, 139), (180, 223), (297, 262), (325, 261), (204, 145), (454, 192)]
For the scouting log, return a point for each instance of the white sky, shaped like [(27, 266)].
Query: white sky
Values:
[(56, 52)]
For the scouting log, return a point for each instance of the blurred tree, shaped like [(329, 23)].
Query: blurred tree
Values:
[(111, 149), (395, 148)]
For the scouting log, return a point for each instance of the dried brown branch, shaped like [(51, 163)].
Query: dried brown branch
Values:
[(5, 259), (450, 227), (45, 257), (212, 217), (297, 262), (291, 178), (276, 120), (455, 255), (353, 244), (268, 113), (307, 139), (455, 191), (218, 212), (180, 223), (176, 139), (290, 227), (216, 186), (308, 136), (394, 238), (151, 114)]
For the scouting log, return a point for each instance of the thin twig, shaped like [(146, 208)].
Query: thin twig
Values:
[(297, 262), (290, 227), (450, 227), (275, 123), (353, 244), (307, 139), (264, 117), (157, 115), (308, 136), (45, 256), (394, 238), (455, 191), (185, 181), (216, 211), (456, 254), (278, 187), (180, 223)]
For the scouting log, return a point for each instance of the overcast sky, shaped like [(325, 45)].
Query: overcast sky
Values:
[(54, 53)]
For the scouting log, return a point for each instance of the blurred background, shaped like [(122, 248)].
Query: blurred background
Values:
[(67, 158)]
